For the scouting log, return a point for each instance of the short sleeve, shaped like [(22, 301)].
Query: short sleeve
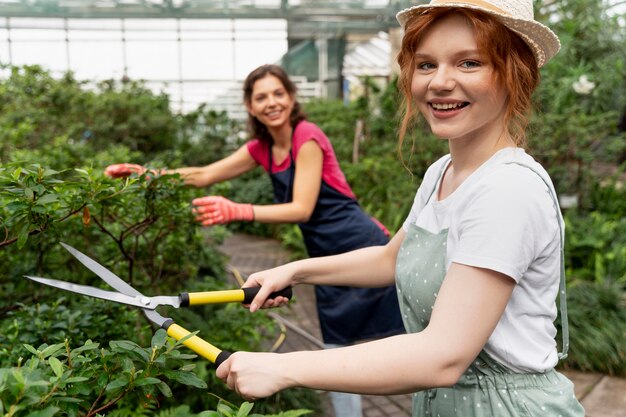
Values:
[(508, 221), (305, 132), (331, 171), (259, 152)]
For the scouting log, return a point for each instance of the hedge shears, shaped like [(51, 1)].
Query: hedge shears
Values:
[(128, 295)]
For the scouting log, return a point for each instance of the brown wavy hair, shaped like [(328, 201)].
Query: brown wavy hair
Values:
[(255, 128), (515, 66)]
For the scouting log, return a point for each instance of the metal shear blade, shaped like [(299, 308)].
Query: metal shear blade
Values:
[(128, 295), (108, 276), (149, 303)]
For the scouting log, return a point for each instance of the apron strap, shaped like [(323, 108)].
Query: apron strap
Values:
[(292, 168), (562, 294), (444, 166)]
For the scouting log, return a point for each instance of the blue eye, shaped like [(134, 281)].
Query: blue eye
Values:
[(425, 66), (470, 64)]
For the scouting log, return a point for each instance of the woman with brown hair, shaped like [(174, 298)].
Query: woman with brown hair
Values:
[(478, 263), (309, 189)]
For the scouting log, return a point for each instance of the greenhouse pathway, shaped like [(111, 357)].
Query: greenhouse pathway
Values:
[(601, 395)]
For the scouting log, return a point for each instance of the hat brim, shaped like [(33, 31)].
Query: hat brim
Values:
[(542, 41)]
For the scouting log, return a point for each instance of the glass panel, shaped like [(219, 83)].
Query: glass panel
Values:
[(97, 61)]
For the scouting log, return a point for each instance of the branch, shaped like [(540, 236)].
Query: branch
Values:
[(107, 405), (7, 242)]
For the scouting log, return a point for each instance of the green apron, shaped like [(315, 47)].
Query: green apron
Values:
[(487, 388)]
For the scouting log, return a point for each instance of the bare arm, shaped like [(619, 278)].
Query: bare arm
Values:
[(232, 166), (468, 307), (306, 188), (374, 266), (212, 210)]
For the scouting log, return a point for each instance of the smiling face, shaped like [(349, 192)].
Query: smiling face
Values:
[(270, 102), (453, 84)]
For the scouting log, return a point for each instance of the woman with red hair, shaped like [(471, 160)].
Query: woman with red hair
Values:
[(478, 263)]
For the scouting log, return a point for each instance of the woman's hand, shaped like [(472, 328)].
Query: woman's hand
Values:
[(270, 280), (123, 170), (254, 375), (219, 210)]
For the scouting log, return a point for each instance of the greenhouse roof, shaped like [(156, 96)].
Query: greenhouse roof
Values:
[(369, 58), (325, 15)]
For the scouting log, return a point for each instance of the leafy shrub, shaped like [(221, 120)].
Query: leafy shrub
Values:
[(36, 108), (89, 380), (52, 189), (575, 134), (121, 380), (597, 321)]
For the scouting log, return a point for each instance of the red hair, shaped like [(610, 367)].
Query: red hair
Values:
[(515, 66)]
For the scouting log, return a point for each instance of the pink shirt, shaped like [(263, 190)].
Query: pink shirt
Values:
[(304, 132)]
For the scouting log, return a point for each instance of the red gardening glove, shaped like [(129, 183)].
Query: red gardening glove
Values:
[(219, 210), (123, 170)]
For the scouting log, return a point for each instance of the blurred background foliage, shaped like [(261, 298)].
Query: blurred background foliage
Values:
[(56, 137)]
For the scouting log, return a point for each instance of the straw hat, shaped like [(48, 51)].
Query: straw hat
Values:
[(516, 15)]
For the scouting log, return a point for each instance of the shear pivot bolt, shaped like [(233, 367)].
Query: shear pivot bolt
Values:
[(144, 300)]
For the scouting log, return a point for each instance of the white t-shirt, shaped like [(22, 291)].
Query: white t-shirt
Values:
[(503, 217)]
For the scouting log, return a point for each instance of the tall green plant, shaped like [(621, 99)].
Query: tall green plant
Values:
[(36, 108), (581, 97)]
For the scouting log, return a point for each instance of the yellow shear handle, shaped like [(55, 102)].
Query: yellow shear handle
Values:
[(198, 345), (215, 297), (243, 295)]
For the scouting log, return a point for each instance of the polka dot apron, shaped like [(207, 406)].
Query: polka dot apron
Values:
[(487, 388)]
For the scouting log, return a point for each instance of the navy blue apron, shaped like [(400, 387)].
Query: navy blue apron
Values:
[(338, 225)]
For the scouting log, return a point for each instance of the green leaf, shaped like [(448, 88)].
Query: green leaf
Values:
[(159, 339), (21, 239), (81, 389), (209, 414), (127, 345), (188, 367), (147, 381), (48, 172), (245, 409), (33, 363), (225, 410), (31, 349), (87, 346), (18, 375), (47, 198), (56, 366), (117, 383), (127, 364), (39, 189), (186, 378), (102, 379), (52, 349), (17, 173), (29, 193), (69, 400), (46, 412), (38, 383), (164, 388), (74, 379)]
